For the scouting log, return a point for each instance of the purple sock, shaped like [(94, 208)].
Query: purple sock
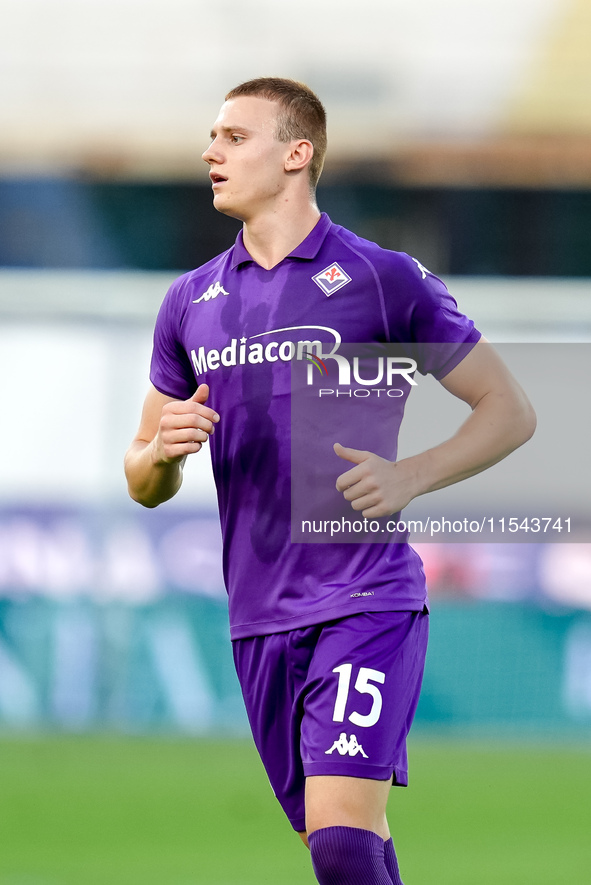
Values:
[(348, 856), (392, 863)]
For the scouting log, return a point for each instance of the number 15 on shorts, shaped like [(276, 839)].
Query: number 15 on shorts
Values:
[(363, 684)]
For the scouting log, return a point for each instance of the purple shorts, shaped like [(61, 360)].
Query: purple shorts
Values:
[(333, 699)]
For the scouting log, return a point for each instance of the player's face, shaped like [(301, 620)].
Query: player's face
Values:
[(246, 161)]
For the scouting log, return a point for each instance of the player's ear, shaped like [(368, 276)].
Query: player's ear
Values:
[(300, 155)]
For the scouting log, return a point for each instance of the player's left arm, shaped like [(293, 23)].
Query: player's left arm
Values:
[(502, 419)]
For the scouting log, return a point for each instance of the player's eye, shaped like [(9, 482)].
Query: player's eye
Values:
[(236, 139)]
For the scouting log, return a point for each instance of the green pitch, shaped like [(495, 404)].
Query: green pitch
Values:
[(134, 811)]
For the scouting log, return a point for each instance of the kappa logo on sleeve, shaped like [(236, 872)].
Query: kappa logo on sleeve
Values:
[(214, 290), (331, 278), (424, 271)]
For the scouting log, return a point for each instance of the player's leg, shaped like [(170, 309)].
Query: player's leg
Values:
[(272, 671), (390, 859), (347, 802), (347, 830), (302, 690), (362, 691)]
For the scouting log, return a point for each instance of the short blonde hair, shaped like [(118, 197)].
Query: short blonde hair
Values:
[(302, 114)]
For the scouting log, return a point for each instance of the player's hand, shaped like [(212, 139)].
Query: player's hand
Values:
[(375, 486), (184, 427)]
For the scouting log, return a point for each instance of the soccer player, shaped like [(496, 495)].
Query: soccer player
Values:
[(329, 640)]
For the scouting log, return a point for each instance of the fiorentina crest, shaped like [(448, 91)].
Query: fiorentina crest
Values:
[(331, 278)]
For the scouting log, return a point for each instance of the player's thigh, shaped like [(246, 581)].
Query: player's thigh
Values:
[(362, 690), (347, 802), (272, 671)]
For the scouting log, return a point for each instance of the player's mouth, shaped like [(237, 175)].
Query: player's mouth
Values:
[(216, 179)]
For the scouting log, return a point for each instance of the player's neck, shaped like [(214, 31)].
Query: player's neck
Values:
[(271, 236)]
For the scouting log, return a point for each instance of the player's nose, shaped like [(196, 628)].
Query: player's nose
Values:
[(212, 153)]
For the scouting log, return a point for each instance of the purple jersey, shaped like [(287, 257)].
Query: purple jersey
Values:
[(236, 326)]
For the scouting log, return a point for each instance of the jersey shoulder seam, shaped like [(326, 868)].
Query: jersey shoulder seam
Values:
[(376, 276)]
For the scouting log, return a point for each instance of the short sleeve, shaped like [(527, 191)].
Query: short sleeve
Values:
[(422, 313), (170, 371)]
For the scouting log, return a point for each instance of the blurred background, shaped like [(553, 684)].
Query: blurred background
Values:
[(460, 132)]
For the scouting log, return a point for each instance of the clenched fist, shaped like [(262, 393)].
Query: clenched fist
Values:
[(184, 426)]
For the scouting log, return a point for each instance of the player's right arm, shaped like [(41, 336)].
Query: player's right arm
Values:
[(170, 429)]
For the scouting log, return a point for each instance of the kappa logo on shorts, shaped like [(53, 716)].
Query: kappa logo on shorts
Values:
[(331, 278), (346, 746), (214, 290)]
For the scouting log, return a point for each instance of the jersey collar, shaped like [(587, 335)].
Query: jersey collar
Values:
[(307, 249)]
